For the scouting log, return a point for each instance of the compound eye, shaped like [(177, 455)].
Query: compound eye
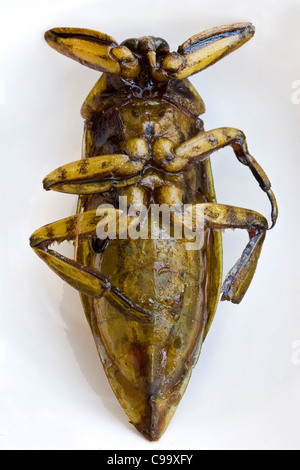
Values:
[(131, 43), (161, 45)]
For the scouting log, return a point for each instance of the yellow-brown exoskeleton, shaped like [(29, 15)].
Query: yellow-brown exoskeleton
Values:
[(150, 300)]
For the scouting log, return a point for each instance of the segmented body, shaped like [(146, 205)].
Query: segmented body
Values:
[(150, 300), (149, 366)]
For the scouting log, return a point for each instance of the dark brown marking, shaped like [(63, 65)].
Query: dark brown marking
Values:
[(62, 173), (211, 214), (50, 232), (139, 356), (83, 166), (71, 225)]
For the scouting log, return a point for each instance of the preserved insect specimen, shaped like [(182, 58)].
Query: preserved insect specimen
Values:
[(150, 300)]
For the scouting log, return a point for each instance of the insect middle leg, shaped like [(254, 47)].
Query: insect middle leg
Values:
[(96, 174), (201, 146)]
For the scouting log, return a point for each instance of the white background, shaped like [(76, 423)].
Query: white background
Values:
[(245, 389)]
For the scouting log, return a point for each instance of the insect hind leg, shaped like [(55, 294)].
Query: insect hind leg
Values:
[(219, 217), (86, 280)]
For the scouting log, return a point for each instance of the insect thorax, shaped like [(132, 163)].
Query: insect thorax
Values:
[(118, 110)]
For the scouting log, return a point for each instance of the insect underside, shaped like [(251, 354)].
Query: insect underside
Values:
[(150, 300)]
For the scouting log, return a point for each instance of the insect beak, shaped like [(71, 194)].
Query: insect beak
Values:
[(147, 48)]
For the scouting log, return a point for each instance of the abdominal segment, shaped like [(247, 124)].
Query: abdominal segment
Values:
[(149, 366)]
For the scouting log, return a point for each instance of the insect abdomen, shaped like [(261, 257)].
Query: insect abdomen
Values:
[(149, 366)]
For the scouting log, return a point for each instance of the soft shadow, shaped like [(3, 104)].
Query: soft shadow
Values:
[(85, 352)]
